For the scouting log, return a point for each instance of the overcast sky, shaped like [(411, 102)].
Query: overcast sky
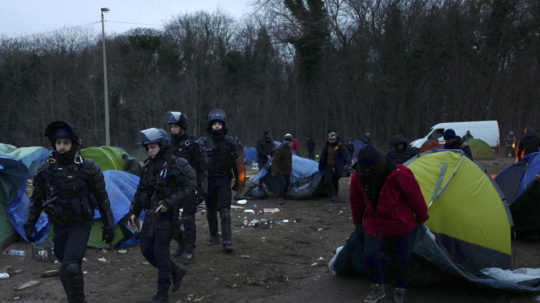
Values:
[(27, 17)]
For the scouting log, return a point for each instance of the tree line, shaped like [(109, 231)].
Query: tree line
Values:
[(300, 66)]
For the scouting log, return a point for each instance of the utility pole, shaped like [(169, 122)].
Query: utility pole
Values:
[(105, 85)]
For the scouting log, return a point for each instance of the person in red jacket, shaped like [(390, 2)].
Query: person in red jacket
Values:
[(387, 203)]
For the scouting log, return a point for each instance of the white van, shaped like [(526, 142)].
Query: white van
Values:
[(487, 131)]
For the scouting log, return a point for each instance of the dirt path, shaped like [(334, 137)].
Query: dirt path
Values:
[(282, 262)]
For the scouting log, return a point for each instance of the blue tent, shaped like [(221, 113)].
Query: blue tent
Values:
[(251, 152), (522, 192), (31, 157), (305, 179), (14, 202)]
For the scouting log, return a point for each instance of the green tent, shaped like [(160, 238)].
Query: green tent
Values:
[(31, 156), (112, 158), (466, 210), (480, 149)]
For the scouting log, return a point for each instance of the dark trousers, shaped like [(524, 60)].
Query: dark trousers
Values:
[(374, 255), (331, 181), (285, 181), (185, 228), (69, 247), (155, 241), (219, 200), (311, 154)]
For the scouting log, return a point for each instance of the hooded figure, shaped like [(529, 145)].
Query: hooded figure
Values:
[(453, 141), (265, 148), (334, 159), (387, 204), (400, 151), (68, 188)]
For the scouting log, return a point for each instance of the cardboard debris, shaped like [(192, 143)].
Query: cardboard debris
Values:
[(28, 284)]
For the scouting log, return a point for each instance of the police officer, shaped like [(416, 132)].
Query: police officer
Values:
[(186, 147), (68, 188), (166, 182), (224, 162)]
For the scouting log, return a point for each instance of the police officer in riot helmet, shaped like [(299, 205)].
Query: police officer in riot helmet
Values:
[(224, 162), (186, 147), (167, 181), (69, 188)]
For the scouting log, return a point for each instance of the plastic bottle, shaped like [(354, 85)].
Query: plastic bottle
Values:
[(16, 252)]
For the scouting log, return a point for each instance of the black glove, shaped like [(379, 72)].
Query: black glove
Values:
[(236, 185), (30, 232), (108, 234)]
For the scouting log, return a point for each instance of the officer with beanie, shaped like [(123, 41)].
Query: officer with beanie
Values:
[(167, 181), (387, 203), (224, 163), (69, 188), (453, 141), (186, 147)]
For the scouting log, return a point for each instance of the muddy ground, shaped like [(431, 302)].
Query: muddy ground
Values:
[(280, 262)]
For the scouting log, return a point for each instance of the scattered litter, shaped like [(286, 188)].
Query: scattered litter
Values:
[(340, 212), (122, 251), (145, 263), (234, 285), (104, 251), (28, 284), (4, 275), (249, 211), (263, 239), (270, 210), (254, 223), (17, 271), (237, 207), (56, 261), (285, 221), (85, 272), (254, 206), (102, 259), (245, 256), (314, 264), (320, 229), (16, 252), (242, 202), (84, 259), (16, 298), (50, 273)]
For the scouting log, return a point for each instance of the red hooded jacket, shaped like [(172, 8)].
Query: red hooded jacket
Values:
[(400, 208)]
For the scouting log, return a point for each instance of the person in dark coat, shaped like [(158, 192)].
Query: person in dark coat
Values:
[(528, 144), (310, 144), (387, 204), (467, 136), (453, 141), (282, 165), (69, 188), (334, 159), (265, 147), (399, 150), (510, 143), (166, 183)]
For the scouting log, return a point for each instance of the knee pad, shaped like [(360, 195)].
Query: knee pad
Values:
[(72, 269)]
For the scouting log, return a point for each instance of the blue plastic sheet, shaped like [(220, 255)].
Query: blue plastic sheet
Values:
[(251, 152)]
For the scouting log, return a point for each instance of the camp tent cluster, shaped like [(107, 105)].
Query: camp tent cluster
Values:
[(468, 233), (19, 165)]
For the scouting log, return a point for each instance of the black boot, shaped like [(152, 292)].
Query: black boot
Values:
[(73, 282), (211, 216), (226, 233), (177, 276), (190, 234)]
